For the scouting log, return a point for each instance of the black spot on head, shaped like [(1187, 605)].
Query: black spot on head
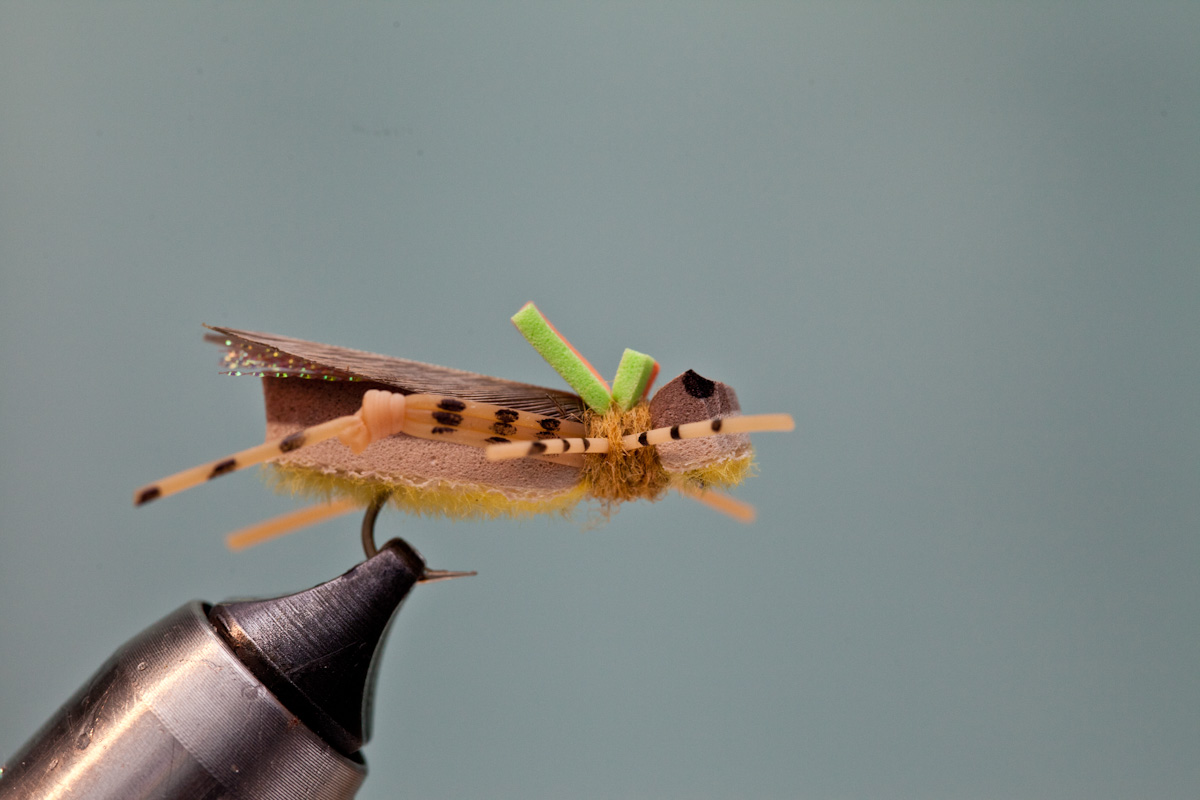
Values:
[(675, 432), (697, 385), (716, 426), (228, 465), (504, 429), (148, 494), (549, 424), (447, 417), (586, 445), (642, 440), (537, 447), (293, 442), (497, 440), (450, 404), (438, 429), (507, 415)]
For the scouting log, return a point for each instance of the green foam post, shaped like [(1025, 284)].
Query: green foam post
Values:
[(634, 375), (558, 352)]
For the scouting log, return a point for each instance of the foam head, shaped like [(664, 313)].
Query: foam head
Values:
[(691, 397)]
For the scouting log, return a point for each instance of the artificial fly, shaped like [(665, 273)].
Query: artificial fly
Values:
[(359, 429)]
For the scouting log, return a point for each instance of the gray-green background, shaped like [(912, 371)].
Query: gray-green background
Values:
[(959, 242)]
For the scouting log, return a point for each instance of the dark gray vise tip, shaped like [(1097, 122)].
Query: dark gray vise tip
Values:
[(316, 650)]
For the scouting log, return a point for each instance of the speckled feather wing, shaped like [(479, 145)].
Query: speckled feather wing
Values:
[(265, 354)]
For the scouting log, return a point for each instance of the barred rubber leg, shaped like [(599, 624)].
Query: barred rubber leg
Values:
[(688, 430), (548, 447), (287, 523), (188, 478), (486, 418), (710, 427), (719, 501), (381, 415)]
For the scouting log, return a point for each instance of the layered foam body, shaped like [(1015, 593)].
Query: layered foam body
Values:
[(424, 476)]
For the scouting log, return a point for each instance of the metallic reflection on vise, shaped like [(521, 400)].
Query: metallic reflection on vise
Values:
[(257, 699)]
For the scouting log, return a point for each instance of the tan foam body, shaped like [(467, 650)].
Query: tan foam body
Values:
[(293, 404)]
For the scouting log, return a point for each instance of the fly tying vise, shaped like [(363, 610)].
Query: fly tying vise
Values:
[(359, 429)]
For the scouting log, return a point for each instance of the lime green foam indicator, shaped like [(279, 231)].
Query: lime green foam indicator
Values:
[(634, 376), (558, 352)]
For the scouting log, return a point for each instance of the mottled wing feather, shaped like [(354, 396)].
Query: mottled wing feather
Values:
[(406, 377)]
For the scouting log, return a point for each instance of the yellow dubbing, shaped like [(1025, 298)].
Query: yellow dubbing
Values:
[(437, 498), (726, 473)]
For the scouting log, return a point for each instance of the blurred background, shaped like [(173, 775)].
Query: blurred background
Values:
[(959, 242)]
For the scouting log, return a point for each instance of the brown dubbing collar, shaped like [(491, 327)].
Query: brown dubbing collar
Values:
[(620, 474)]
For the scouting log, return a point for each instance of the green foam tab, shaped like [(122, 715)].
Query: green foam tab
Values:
[(558, 352), (634, 376)]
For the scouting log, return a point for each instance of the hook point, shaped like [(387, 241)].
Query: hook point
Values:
[(435, 575)]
